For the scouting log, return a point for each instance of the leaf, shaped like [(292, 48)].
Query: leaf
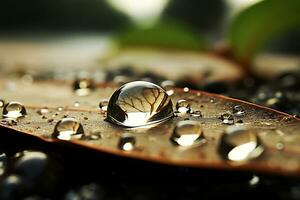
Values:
[(153, 144), (164, 35), (259, 24)]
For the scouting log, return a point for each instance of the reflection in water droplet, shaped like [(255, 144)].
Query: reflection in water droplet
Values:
[(187, 133), (238, 110), (168, 86), (43, 110), (67, 129), (2, 102), (83, 86), (126, 143), (227, 119), (76, 104), (103, 104), (14, 110), (139, 103), (240, 144), (183, 106)]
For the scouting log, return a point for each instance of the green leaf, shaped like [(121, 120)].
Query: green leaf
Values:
[(163, 34), (260, 23)]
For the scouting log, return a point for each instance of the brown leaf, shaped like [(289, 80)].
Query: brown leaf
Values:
[(153, 144)]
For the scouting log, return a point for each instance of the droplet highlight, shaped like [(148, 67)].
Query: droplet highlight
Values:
[(183, 106), (126, 143), (227, 119), (138, 104), (240, 144), (169, 86), (83, 86), (67, 129), (238, 110), (187, 133)]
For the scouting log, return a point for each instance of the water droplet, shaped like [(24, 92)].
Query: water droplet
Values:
[(3, 163), (254, 181), (183, 106), (60, 108), (83, 86), (227, 119), (186, 89), (196, 113), (168, 86), (187, 133), (76, 104), (238, 110), (67, 129), (240, 144), (279, 146), (14, 110), (103, 104), (2, 103), (212, 100), (139, 103), (126, 143), (43, 111)]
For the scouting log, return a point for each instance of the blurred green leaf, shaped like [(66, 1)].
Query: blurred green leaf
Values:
[(260, 23), (163, 34)]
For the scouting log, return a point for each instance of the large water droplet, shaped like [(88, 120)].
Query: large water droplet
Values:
[(67, 129), (227, 119), (14, 110), (139, 103), (83, 86), (187, 133), (126, 143), (238, 110), (183, 106), (240, 144)]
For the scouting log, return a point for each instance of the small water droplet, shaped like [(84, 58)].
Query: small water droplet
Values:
[(14, 110), (187, 133), (196, 113), (238, 110), (183, 106), (60, 108), (103, 105), (2, 103), (240, 144), (139, 103), (76, 104), (126, 143), (67, 129), (212, 100), (43, 111), (186, 89), (227, 119), (83, 86), (280, 146), (169, 86), (254, 181)]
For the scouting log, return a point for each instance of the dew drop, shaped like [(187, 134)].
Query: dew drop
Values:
[(76, 104), (187, 133), (186, 89), (168, 86), (139, 103), (183, 106), (238, 110), (83, 86), (280, 146), (103, 105), (196, 113), (227, 119), (126, 143), (67, 129), (2, 103), (60, 108), (14, 110), (240, 144), (43, 111)]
